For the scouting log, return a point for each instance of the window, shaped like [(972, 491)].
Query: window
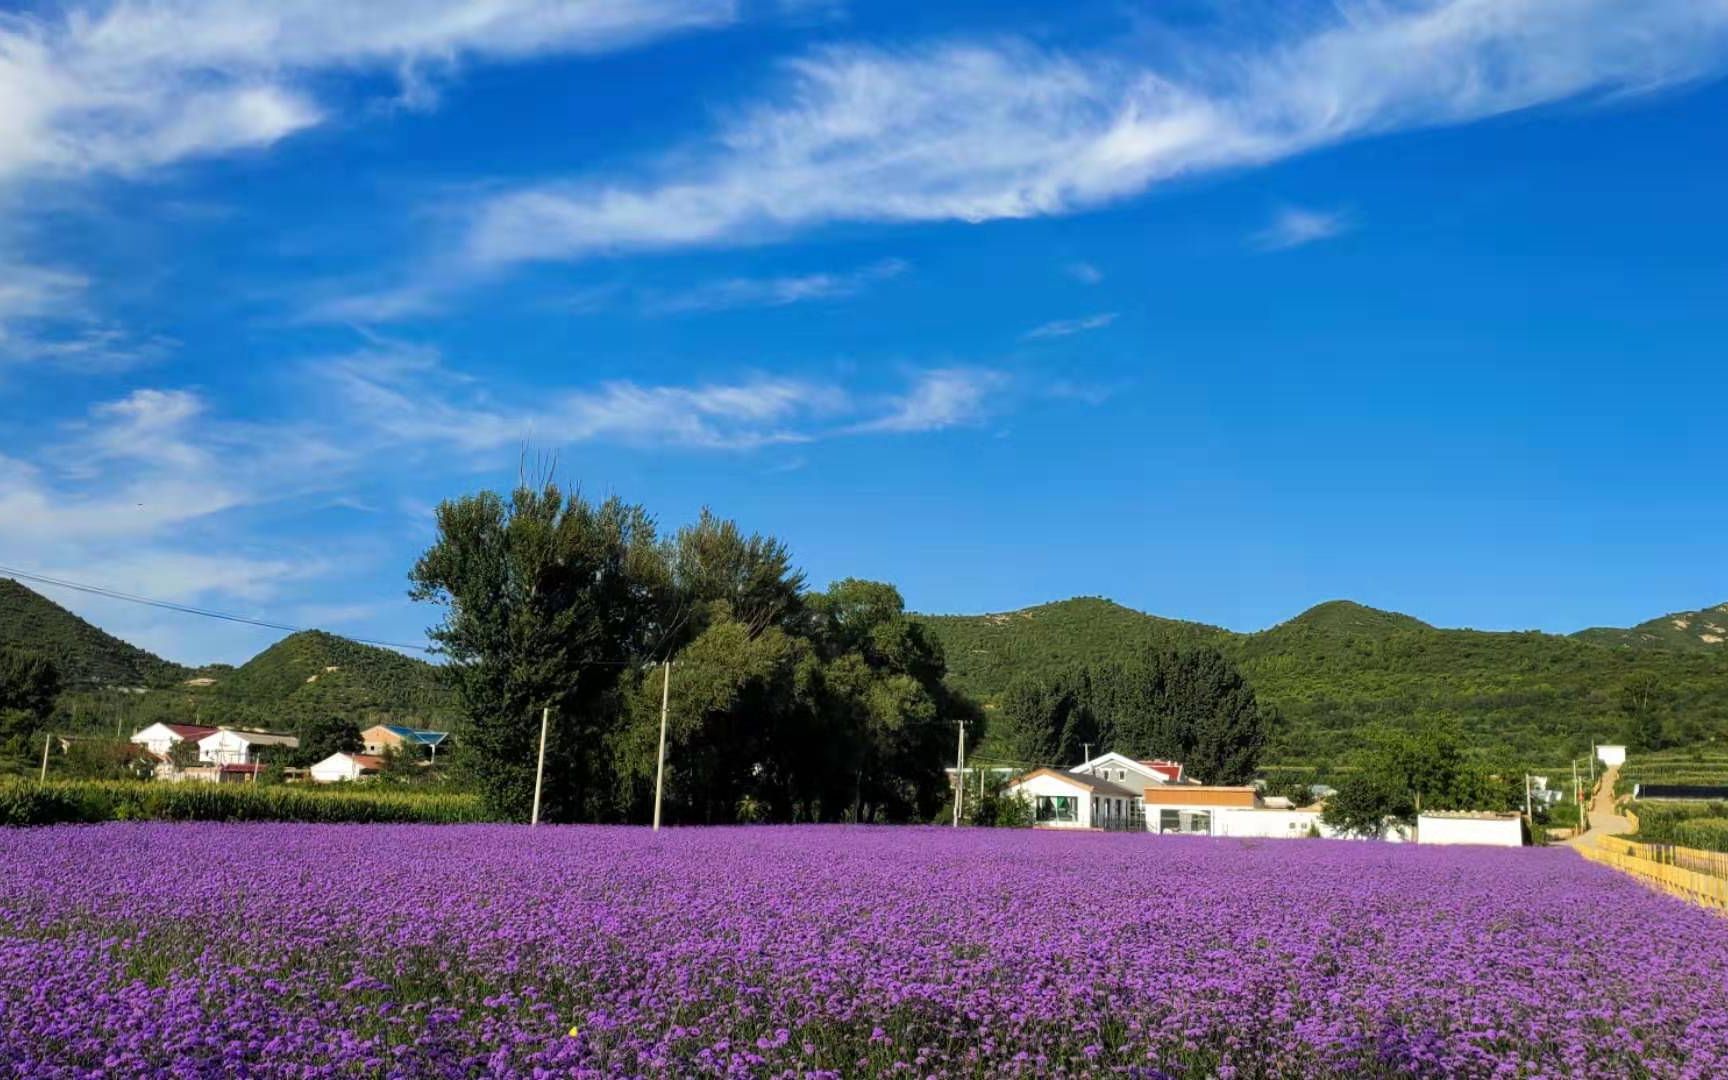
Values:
[(1121, 774), (1056, 808), (1185, 821)]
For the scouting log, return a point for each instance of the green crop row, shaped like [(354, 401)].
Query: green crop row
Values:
[(63, 801)]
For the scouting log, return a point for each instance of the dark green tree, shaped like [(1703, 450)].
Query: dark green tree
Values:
[(1643, 704), (325, 734), (550, 601), (1366, 804), (29, 686)]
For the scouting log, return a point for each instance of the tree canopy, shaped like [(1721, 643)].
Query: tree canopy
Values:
[(783, 704)]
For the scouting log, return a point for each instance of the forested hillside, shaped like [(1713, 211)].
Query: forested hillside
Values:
[(85, 656), (1339, 668)]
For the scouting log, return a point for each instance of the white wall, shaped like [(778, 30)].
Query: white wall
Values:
[(1495, 831), (1034, 786), (335, 768), (157, 738), (1278, 824), (1611, 755)]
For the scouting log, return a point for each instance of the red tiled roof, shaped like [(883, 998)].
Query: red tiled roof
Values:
[(368, 761), (1169, 770), (190, 731)]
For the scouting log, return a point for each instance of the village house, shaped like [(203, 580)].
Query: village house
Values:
[(233, 746), (382, 739), (341, 767), (1071, 800), (159, 738)]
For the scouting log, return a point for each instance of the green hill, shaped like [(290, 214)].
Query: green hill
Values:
[(86, 656), (112, 686), (1698, 631), (1341, 667), (316, 672)]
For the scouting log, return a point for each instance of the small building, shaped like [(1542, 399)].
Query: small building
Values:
[(385, 738), (1610, 755), (1195, 809), (345, 767), (1470, 827), (1069, 800), (232, 746), (159, 738)]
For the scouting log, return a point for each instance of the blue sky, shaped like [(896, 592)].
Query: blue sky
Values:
[(1217, 309)]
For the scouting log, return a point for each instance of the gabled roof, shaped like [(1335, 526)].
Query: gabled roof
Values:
[(190, 731), (1158, 771), (1094, 784), (367, 762)]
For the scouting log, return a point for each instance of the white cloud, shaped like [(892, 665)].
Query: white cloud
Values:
[(943, 398), (133, 84), (775, 291), (975, 132), (1294, 226), (397, 396), (1069, 327), (1084, 272)]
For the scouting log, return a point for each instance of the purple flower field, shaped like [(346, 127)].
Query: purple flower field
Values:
[(290, 950)]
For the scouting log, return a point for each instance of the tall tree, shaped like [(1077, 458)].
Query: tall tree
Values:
[(549, 601), (1643, 703), (29, 686)]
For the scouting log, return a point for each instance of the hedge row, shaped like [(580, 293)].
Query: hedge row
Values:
[(1658, 822), (1705, 833), (62, 801)]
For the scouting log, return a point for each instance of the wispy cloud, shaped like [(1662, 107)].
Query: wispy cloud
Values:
[(775, 291), (1294, 226), (123, 86), (943, 398), (402, 396), (974, 132), (1070, 327), (1084, 272)]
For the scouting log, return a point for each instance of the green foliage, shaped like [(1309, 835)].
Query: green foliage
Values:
[(783, 705), (1643, 701), (321, 736), (29, 685), (1659, 821), (840, 716), (1703, 833), (56, 802), (1404, 773), (550, 601), (1365, 803), (1188, 705), (1341, 669)]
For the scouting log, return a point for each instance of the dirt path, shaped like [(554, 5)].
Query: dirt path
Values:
[(1603, 819)]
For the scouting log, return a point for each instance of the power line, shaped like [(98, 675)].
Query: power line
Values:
[(188, 609)]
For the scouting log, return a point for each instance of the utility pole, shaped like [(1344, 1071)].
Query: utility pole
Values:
[(47, 738), (1527, 814), (1578, 795), (540, 768), (660, 766), (960, 776), (1088, 756), (1592, 763)]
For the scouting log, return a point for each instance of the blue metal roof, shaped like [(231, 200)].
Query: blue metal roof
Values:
[(417, 735)]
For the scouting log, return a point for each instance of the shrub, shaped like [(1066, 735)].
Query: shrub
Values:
[(64, 801)]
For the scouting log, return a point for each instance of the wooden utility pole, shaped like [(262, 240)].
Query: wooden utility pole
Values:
[(540, 768), (1578, 793), (1527, 812), (660, 765), (47, 738), (960, 776)]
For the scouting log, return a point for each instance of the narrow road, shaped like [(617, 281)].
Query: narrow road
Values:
[(1603, 819)]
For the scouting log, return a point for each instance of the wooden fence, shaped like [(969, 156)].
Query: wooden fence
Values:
[(1700, 877)]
